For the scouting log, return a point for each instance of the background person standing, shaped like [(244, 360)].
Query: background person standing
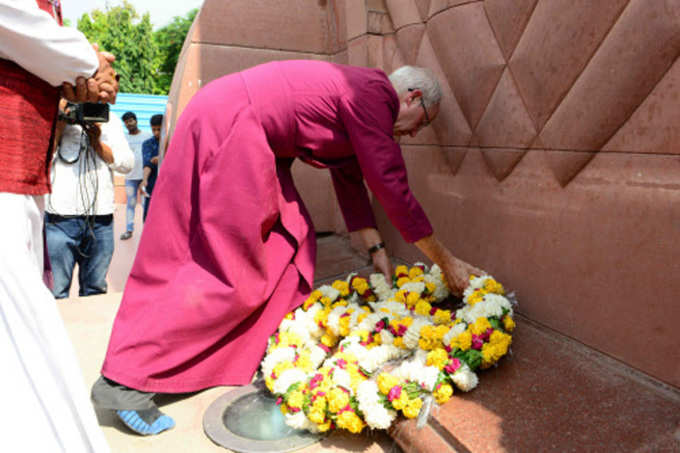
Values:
[(135, 138), (150, 154)]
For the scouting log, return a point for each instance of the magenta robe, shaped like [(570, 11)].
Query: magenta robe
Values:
[(228, 247)]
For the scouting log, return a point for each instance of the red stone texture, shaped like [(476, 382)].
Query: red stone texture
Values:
[(553, 163), (554, 394)]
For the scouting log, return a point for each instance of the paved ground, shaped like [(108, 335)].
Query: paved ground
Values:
[(89, 321)]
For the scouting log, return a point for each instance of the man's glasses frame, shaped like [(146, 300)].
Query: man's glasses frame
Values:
[(422, 104)]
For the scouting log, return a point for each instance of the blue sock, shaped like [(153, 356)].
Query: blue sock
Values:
[(146, 422)]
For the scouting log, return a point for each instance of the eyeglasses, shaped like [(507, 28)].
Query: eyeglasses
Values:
[(422, 104)]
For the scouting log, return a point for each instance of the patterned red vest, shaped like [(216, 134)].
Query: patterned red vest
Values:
[(28, 108)]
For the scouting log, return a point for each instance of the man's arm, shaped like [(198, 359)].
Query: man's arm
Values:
[(31, 38)]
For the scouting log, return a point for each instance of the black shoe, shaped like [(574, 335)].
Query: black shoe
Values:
[(125, 236)]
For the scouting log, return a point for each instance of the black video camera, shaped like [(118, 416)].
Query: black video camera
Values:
[(85, 113)]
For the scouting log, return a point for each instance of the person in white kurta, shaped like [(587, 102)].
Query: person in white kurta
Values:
[(44, 399)]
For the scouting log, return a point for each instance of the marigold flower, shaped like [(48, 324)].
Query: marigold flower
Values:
[(385, 382), (402, 281), (412, 408), (337, 399), (443, 393), (350, 421), (508, 323), (437, 358), (414, 272), (423, 308)]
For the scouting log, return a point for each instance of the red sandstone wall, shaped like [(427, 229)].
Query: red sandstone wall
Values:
[(555, 161)]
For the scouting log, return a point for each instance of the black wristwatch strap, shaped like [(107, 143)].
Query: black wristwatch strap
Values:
[(376, 247)]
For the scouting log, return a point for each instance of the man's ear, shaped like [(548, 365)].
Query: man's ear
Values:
[(413, 94)]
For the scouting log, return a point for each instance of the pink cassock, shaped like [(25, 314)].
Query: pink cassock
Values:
[(228, 247)]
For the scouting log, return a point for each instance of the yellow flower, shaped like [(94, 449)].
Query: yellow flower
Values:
[(442, 316), (316, 416), (399, 342), (412, 409), (423, 308), (443, 393), (475, 297), (325, 426), (420, 278), (462, 341), (289, 316), (377, 339), (401, 270), (350, 421), (492, 286), (437, 357), (508, 323), (385, 382), (344, 325), (296, 399), (329, 340), (480, 326), (341, 286), (326, 301), (400, 402), (402, 281), (362, 334), (337, 400), (360, 285), (284, 409), (430, 287), (441, 331), (414, 272), (400, 296), (340, 303), (412, 299), (319, 404), (321, 316), (281, 367), (407, 321)]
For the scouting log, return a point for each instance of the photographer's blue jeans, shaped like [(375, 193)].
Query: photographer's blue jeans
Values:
[(131, 188), (72, 241)]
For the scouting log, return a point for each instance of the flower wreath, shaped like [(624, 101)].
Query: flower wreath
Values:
[(359, 351)]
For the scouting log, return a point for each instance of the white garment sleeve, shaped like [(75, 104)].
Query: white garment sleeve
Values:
[(32, 39), (113, 134)]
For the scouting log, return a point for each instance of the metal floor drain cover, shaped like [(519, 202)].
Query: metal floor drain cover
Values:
[(248, 420)]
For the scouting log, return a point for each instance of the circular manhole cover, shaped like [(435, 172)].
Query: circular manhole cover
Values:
[(248, 420)]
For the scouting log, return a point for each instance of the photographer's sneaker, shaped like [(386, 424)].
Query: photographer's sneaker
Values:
[(125, 236)]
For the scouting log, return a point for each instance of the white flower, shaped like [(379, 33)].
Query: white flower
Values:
[(386, 337), (299, 420), (413, 287), (465, 379), (380, 286), (475, 284), (342, 378), (454, 332), (275, 357), (317, 355), (491, 305), (414, 371), (330, 292), (289, 377), (412, 335), (375, 414), (374, 358), (333, 322)]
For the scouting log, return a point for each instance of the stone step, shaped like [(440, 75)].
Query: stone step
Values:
[(553, 394)]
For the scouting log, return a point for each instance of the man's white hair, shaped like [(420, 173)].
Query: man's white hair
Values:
[(413, 77)]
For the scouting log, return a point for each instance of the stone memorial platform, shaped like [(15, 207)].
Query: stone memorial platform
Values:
[(553, 394)]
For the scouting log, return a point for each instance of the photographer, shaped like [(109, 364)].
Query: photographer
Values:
[(79, 220)]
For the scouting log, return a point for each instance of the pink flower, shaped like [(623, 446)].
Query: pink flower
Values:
[(342, 363), (325, 348), (433, 310), (279, 401), (453, 366), (294, 409), (379, 326), (344, 315), (477, 342), (393, 331), (448, 348), (485, 336), (395, 393)]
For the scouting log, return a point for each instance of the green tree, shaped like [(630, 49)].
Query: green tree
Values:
[(169, 41), (121, 31)]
